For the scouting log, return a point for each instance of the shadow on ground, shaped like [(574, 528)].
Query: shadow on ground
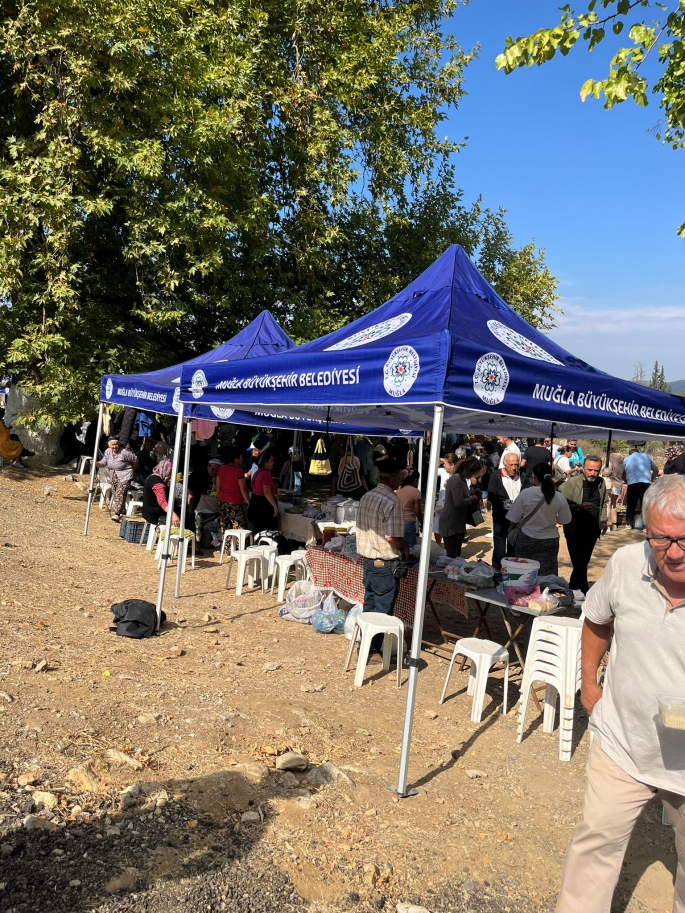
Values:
[(180, 845)]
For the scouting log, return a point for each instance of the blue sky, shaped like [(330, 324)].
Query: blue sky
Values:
[(602, 196)]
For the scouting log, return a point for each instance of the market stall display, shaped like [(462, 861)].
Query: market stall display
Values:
[(344, 575)]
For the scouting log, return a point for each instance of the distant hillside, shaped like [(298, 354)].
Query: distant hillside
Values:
[(677, 386)]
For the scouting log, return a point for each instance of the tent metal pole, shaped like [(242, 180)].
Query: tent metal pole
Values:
[(184, 502), (93, 467), (291, 480), (606, 462), (420, 610), (551, 442), (166, 547), (420, 459)]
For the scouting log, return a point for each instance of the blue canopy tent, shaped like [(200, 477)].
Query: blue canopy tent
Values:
[(446, 353), (159, 391)]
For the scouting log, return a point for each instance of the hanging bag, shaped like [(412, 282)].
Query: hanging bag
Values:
[(349, 477), (320, 464)]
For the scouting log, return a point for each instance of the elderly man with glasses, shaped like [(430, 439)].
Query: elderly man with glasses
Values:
[(504, 487), (640, 600)]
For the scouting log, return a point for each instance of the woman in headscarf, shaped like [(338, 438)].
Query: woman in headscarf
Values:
[(121, 464), (156, 495), (263, 510)]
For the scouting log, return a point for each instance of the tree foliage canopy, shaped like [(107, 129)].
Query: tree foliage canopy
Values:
[(168, 168), (662, 35)]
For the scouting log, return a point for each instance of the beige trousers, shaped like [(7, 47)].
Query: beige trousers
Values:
[(613, 803)]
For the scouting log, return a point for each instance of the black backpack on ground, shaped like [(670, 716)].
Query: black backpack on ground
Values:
[(136, 618)]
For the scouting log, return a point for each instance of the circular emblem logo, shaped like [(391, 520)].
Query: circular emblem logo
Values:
[(222, 413), (518, 343), (405, 430), (371, 334), (198, 384), (109, 388), (176, 399), (401, 370), (491, 378)]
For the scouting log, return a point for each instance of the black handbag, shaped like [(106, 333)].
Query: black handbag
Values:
[(474, 516)]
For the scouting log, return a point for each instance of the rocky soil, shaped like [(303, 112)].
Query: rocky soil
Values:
[(230, 765)]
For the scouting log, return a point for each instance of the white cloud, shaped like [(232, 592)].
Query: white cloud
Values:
[(614, 338)]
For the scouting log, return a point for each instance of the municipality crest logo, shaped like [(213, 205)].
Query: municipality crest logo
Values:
[(491, 378), (401, 370), (372, 333), (519, 343), (198, 384), (109, 388), (176, 400), (222, 413)]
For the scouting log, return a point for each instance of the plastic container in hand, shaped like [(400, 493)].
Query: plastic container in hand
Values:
[(672, 711), (520, 571)]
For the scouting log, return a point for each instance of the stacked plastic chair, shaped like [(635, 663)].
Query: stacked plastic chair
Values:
[(553, 658)]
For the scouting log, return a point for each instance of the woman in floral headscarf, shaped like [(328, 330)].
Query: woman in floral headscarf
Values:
[(156, 495)]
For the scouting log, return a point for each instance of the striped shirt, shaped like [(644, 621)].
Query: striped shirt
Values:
[(380, 515)]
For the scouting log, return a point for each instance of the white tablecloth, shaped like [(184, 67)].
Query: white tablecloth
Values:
[(297, 527)]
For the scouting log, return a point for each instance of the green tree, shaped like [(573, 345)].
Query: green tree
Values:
[(658, 379), (653, 28), (170, 167)]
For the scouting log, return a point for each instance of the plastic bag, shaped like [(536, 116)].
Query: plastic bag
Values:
[(302, 601), (479, 575), (356, 609), (329, 619), (544, 603), (521, 595), (335, 544)]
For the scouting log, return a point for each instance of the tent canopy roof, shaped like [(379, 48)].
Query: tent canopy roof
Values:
[(446, 338)]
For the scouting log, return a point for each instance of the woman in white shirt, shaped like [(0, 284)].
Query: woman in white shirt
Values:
[(536, 512), (449, 461), (563, 461)]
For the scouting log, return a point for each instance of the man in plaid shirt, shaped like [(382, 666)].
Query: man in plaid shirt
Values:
[(380, 541)]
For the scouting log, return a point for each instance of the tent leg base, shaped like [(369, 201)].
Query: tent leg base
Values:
[(410, 793)]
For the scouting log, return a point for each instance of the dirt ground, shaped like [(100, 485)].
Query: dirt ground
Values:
[(201, 723)]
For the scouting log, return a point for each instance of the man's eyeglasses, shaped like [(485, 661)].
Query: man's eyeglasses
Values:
[(661, 543)]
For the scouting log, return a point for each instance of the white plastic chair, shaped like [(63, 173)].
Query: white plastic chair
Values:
[(283, 565), (370, 624), (133, 507), (554, 658), (238, 537), (484, 654), (82, 463), (254, 562)]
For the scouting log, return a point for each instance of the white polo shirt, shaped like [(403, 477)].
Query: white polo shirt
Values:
[(647, 658)]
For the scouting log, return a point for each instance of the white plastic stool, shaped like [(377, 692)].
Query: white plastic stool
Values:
[(133, 507), (553, 658), (270, 552), (239, 535), (254, 562), (283, 565), (302, 553), (370, 624), (179, 549), (152, 537), (484, 654)]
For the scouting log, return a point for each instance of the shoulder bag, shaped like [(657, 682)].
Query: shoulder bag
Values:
[(320, 464), (349, 478), (513, 534)]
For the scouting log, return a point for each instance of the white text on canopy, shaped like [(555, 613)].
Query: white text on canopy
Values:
[(332, 378)]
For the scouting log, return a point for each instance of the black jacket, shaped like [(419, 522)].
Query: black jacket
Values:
[(457, 502), (497, 495)]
